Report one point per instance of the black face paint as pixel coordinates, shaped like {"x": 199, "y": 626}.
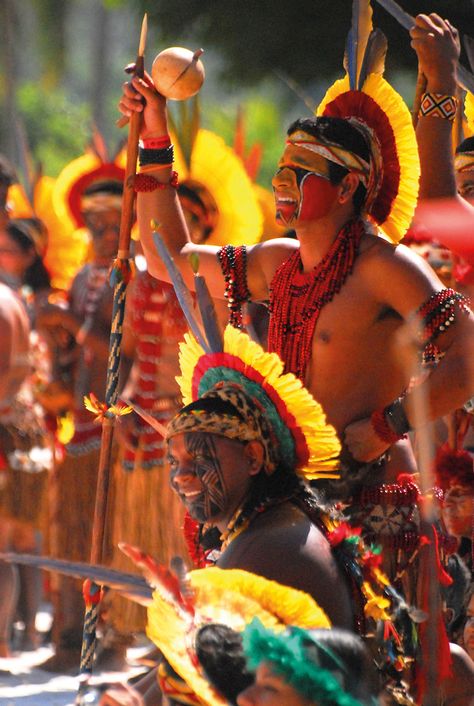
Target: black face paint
{"x": 299, "y": 172}
{"x": 213, "y": 499}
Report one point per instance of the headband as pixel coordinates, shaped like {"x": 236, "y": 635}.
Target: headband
{"x": 464, "y": 161}
{"x": 227, "y": 410}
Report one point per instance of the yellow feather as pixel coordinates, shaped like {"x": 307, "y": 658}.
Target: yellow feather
{"x": 321, "y": 438}
{"x": 232, "y": 597}
{"x": 399, "y": 117}
{"x": 469, "y": 112}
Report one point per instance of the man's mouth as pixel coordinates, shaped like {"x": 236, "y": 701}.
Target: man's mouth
{"x": 190, "y": 495}
{"x": 285, "y": 207}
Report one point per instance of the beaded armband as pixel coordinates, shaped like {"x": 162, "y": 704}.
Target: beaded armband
{"x": 438, "y": 105}
{"x": 391, "y": 423}
{"x": 439, "y": 313}
{"x": 146, "y": 182}
{"x": 233, "y": 262}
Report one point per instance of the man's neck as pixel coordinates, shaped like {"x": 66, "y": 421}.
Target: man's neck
{"x": 317, "y": 237}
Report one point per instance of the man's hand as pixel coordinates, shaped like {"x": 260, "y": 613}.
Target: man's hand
{"x": 52, "y": 315}
{"x": 437, "y": 45}
{"x": 362, "y": 441}
{"x": 140, "y": 96}
{"x": 121, "y": 695}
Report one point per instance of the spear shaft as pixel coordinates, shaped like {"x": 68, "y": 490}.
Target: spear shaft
{"x": 464, "y": 77}
{"x": 120, "y": 276}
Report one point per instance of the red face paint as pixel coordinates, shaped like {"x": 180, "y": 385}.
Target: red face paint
{"x": 317, "y": 195}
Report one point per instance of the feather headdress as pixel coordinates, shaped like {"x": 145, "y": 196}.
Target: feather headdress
{"x": 370, "y": 103}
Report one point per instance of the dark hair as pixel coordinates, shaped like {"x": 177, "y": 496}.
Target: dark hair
{"x": 220, "y": 653}
{"x": 344, "y": 652}
{"x": 213, "y": 404}
{"x": 342, "y": 133}
{"x": 21, "y": 231}
{"x": 466, "y": 145}
{"x": 109, "y": 186}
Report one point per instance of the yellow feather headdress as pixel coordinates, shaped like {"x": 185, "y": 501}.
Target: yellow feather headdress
{"x": 365, "y": 98}
{"x": 304, "y": 439}
{"x": 231, "y": 597}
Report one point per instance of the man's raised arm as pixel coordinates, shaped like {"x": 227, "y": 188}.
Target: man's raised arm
{"x": 158, "y": 200}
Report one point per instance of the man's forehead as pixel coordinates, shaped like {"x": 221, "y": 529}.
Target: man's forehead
{"x": 457, "y": 491}
{"x": 300, "y": 156}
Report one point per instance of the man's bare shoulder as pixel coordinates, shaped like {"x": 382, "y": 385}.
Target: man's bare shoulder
{"x": 395, "y": 275}
{"x": 271, "y": 253}
{"x": 281, "y": 531}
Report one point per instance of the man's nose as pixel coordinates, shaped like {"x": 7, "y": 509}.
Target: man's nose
{"x": 281, "y": 178}
{"x": 182, "y": 474}
{"x": 246, "y": 697}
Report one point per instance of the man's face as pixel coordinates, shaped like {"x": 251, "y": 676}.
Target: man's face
{"x": 301, "y": 187}
{"x": 465, "y": 184}
{"x": 207, "y": 472}
{"x": 457, "y": 510}
{"x": 104, "y": 227}
{"x": 270, "y": 689}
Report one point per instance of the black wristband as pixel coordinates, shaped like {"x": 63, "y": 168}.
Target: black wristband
{"x": 396, "y": 417}
{"x": 162, "y": 156}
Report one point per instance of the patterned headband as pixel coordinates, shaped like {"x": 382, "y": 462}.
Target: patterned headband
{"x": 464, "y": 162}
{"x": 369, "y": 173}
{"x": 244, "y": 419}
{"x": 100, "y": 202}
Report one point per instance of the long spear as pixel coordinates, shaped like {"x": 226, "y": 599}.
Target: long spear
{"x": 120, "y": 276}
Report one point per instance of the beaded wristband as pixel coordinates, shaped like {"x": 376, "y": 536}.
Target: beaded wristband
{"x": 159, "y": 156}
{"x": 144, "y": 183}
{"x": 396, "y": 418}
{"x": 382, "y": 428}
{"x": 155, "y": 143}
{"x": 438, "y": 105}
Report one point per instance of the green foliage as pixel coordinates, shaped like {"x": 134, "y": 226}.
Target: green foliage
{"x": 57, "y": 129}
{"x": 262, "y": 124}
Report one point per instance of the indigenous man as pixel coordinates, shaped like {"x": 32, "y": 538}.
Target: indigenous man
{"x": 87, "y": 321}
{"x": 233, "y": 451}
{"x": 339, "y": 294}
{"x": 15, "y": 365}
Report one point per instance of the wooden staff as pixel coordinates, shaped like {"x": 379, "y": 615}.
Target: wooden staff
{"x": 120, "y": 276}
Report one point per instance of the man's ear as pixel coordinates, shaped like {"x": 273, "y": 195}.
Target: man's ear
{"x": 348, "y": 187}
{"x": 253, "y": 452}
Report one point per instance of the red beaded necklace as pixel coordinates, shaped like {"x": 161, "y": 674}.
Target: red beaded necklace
{"x": 297, "y": 297}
